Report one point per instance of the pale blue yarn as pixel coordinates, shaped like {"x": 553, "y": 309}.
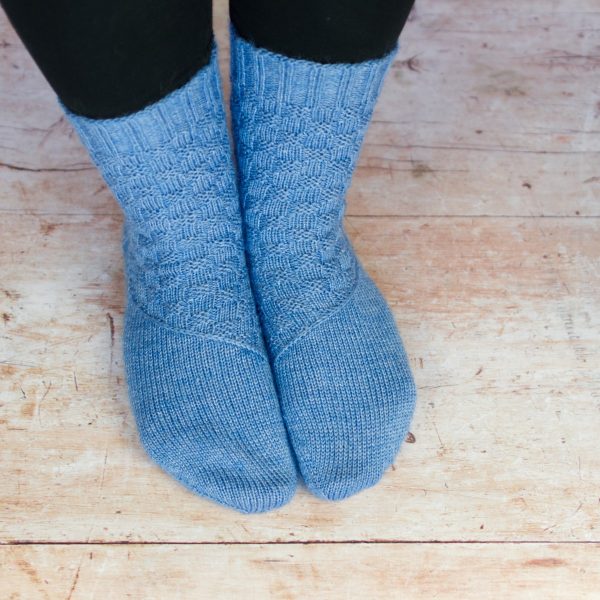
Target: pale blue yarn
{"x": 199, "y": 379}
{"x": 343, "y": 378}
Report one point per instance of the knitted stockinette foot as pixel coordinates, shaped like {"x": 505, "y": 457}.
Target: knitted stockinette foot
{"x": 343, "y": 378}
{"x": 199, "y": 379}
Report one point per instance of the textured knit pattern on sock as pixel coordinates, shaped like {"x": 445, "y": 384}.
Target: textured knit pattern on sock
{"x": 343, "y": 378}
{"x": 198, "y": 375}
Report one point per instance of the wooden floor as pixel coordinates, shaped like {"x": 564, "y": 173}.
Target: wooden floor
{"x": 476, "y": 208}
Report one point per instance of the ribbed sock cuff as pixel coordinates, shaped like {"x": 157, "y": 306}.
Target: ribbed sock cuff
{"x": 282, "y": 81}
{"x": 157, "y": 123}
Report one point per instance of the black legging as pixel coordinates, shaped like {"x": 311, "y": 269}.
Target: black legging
{"x": 106, "y": 58}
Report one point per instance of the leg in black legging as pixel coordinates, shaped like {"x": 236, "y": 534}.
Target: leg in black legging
{"x": 327, "y": 31}
{"x": 106, "y": 58}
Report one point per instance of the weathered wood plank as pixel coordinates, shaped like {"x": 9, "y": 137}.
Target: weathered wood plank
{"x": 489, "y": 110}
{"x": 501, "y": 318}
{"x": 467, "y": 571}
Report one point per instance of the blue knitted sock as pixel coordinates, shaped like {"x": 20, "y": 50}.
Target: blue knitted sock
{"x": 199, "y": 379}
{"x": 343, "y": 379}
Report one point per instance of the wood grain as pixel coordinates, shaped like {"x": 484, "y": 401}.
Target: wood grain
{"x": 488, "y": 110}
{"x": 501, "y": 319}
{"x": 408, "y": 571}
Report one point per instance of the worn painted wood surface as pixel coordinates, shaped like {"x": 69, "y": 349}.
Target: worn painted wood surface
{"x": 501, "y": 319}
{"x": 476, "y": 207}
{"x": 407, "y": 571}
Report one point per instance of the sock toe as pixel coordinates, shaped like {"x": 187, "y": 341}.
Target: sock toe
{"x": 208, "y": 414}
{"x": 347, "y": 395}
